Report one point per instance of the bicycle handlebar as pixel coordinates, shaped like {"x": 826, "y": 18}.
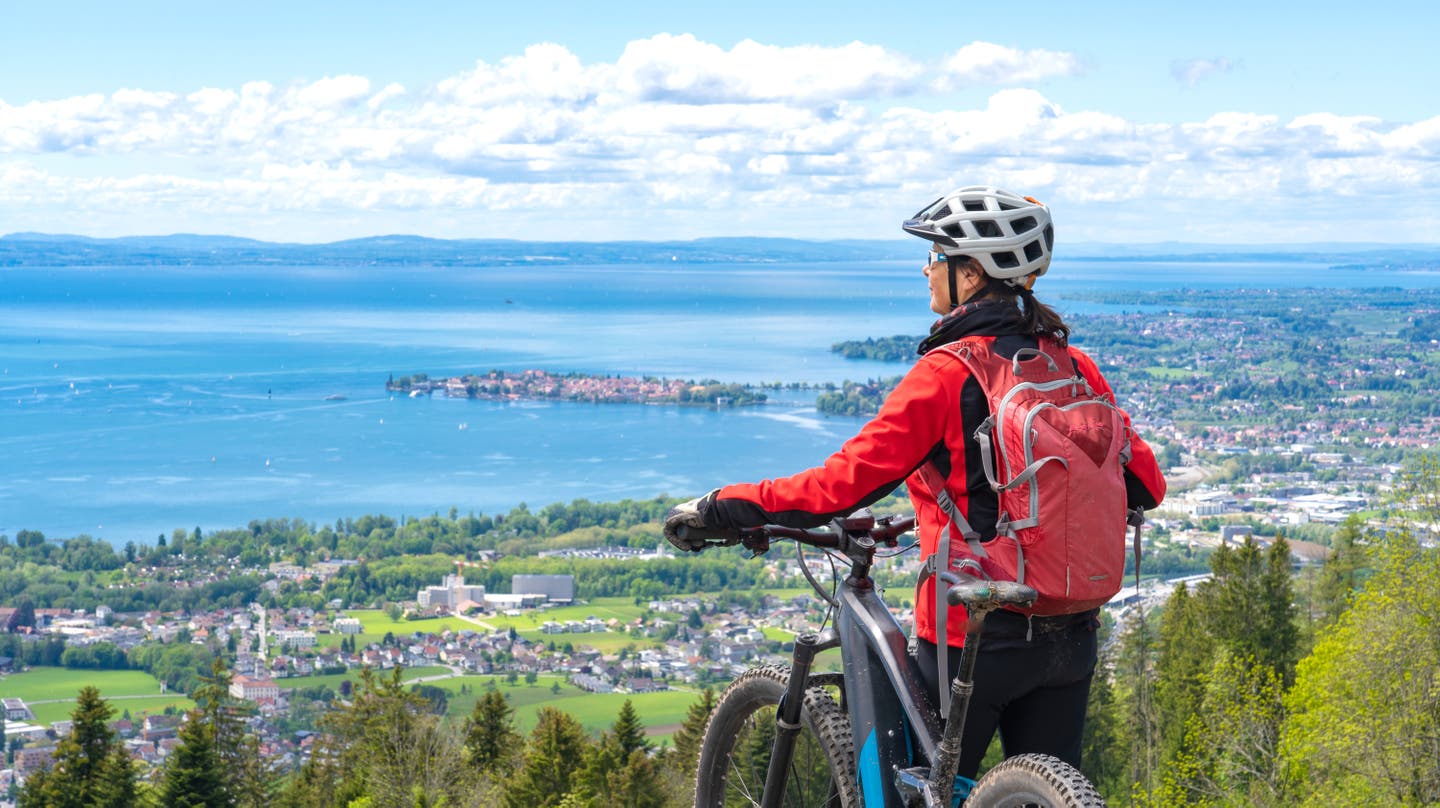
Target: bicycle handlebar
{"x": 884, "y": 530}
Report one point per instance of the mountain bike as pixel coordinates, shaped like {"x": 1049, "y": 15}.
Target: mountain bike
{"x": 869, "y": 736}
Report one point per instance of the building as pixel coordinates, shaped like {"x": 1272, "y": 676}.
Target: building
{"x": 557, "y": 588}
{"x": 503, "y": 602}
{"x": 348, "y": 625}
{"x": 17, "y": 710}
{"x": 32, "y": 759}
{"x": 257, "y": 689}
{"x": 450, "y": 594}
{"x": 295, "y": 639}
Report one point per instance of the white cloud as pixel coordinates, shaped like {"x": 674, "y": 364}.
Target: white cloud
{"x": 1192, "y": 71}
{"x": 985, "y": 63}
{"x": 672, "y": 123}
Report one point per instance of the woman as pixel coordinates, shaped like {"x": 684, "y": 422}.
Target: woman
{"x": 1033, "y": 678}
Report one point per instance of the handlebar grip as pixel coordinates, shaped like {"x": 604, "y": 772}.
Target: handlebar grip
{"x": 978, "y": 594}
{"x": 708, "y": 536}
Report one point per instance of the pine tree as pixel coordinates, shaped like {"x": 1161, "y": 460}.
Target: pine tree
{"x": 1249, "y": 605}
{"x": 1341, "y": 575}
{"x": 692, "y": 732}
{"x": 547, "y": 770}
{"x": 1135, "y": 689}
{"x": 629, "y": 732}
{"x": 618, "y": 771}
{"x": 247, "y": 778}
{"x": 1102, "y": 754}
{"x": 91, "y": 767}
{"x": 193, "y": 777}
{"x": 1184, "y": 658}
{"x": 490, "y": 735}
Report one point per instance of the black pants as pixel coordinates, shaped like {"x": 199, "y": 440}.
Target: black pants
{"x": 1034, "y": 692}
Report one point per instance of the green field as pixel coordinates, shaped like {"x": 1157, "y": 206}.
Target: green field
{"x": 51, "y": 692}
{"x": 39, "y": 684}
{"x": 333, "y": 680}
{"x": 659, "y": 712}
{"x": 377, "y": 624}
{"x": 137, "y": 706}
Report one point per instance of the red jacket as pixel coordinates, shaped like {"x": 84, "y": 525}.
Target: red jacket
{"x": 919, "y": 421}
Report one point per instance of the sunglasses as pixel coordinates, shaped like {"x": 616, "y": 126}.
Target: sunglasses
{"x": 932, "y": 257}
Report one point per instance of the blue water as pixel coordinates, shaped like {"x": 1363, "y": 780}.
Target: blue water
{"x": 137, "y": 400}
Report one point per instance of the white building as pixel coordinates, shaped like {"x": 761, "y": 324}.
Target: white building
{"x": 348, "y": 625}
{"x": 295, "y": 639}
{"x": 254, "y": 689}
{"x": 450, "y": 594}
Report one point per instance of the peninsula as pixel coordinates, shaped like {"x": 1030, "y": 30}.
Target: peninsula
{"x": 500, "y": 385}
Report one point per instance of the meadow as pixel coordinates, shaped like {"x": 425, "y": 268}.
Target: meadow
{"x": 51, "y": 692}
{"x": 661, "y": 713}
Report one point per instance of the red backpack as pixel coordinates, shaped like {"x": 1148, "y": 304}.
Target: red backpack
{"x": 1054, "y": 452}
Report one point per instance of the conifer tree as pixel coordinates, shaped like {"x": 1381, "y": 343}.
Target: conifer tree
{"x": 490, "y": 736}
{"x": 1135, "y": 688}
{"x": 618, "y": 771}
{"x": 679, "y": 762}
{"x": 1249, "y": 605}
{"x": 193, "y": 775}
{"x": 1184, "y": 657}
{"x": 692, "y": 732}
{"x": 90, "y": 768}
{"x": 628, "y": 731}
{"x": 1102, "y": 754}
{"x": 1341, "y": 575}
{"x": 547, "y": 769}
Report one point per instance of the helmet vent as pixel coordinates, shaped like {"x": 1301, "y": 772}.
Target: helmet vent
{"x": 1006, "y": 260}
{"x": 953, "y": 230}
{"x": 1050, "y": 238}
{"x": 1033, "y": 251}
{"x": 1024, "y": 224}
{"x": 974, "y": 204}
{"x": 987, "y": 229}
{"x": 1008, "y": 206}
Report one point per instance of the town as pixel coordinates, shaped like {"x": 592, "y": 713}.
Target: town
{"x": 498, "y": 385}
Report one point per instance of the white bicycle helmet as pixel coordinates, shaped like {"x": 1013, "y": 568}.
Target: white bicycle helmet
{"x": 1010, "y": 236}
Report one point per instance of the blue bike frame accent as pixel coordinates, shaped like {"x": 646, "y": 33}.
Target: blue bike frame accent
{"x": 882, "y": 690}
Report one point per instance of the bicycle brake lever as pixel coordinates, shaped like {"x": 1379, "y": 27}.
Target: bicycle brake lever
{"x": 756, "y": 541}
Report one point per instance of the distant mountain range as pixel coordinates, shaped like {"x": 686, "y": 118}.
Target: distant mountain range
{"x": 41, "y": 249}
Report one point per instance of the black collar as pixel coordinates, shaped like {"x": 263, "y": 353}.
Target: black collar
{"x": 984, "y": 316}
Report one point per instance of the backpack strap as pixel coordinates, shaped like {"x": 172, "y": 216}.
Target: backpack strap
{"x": 932, "y": 569}
{"x": 933, "y": 566}
{"x": 936, "y": 484}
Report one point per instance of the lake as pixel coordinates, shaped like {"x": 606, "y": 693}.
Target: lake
{"x": 138, "y": 400}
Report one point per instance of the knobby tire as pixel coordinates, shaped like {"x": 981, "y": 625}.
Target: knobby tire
{"x": 735, "y": 750}
{"x": 1034, "y": 781}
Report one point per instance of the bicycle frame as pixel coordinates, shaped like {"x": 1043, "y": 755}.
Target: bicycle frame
{"x": 890, "y": 713}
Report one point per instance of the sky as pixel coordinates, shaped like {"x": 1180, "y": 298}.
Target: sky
{"x": 1223, "y": 122}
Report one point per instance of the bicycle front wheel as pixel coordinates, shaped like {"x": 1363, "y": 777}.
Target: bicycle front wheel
{"x": 735, "y": 752}
{"x": 1034, "y": 781}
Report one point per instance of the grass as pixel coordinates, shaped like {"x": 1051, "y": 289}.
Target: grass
{"x": 659, "y": 712}
{"x": 136, "y": 691}
{"x": 39, "y": 684}
{"x": 377, "y": 624}
{"x": 333, "y": 680}
{"x": 138, "y": 707}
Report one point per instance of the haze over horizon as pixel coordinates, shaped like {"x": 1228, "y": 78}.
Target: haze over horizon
{"x": 658, "y": 123}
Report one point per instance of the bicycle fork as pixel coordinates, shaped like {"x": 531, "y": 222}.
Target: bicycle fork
{"x": 787, "y": 720}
